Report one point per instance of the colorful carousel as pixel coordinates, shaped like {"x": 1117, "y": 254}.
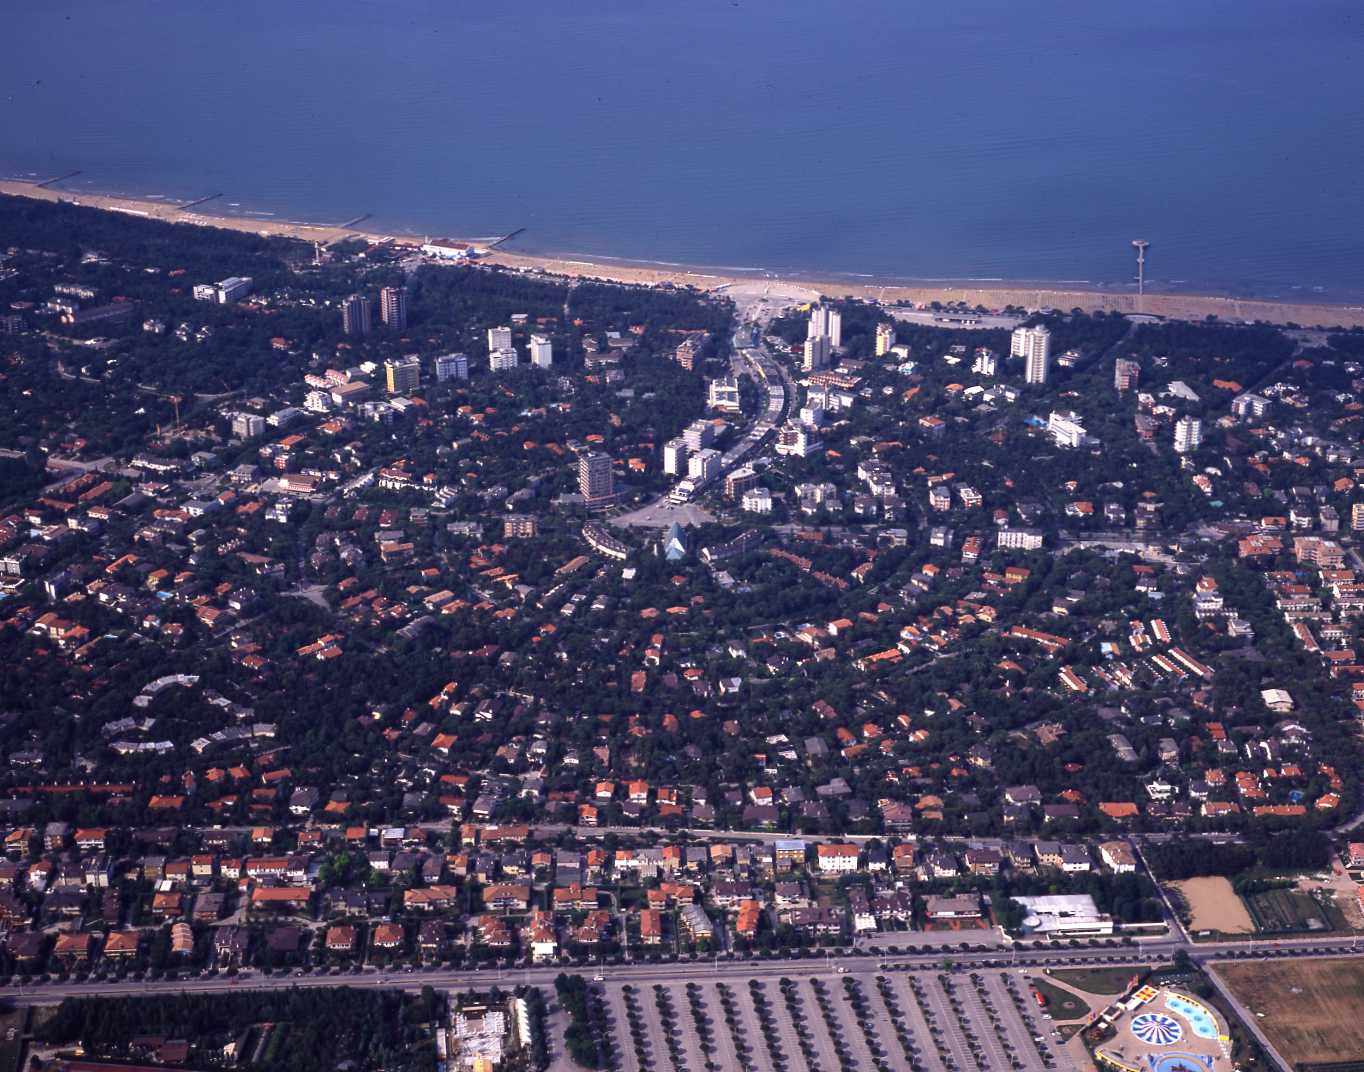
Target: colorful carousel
{"x": 1162, "y": 1030}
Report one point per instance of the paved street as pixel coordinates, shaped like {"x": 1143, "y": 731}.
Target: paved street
{"x": 647, "y": 973}
{"x": 970, "y": 1016}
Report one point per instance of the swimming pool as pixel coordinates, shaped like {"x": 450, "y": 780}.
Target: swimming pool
{"x": 1199, "y": 1018}
{"x": 1181, "y": 1062}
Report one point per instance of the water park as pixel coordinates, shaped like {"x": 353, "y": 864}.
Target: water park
{"x": 1158, "y": 1029}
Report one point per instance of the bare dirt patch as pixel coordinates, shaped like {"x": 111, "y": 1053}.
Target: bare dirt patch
{"x": 1214, "y": 906}
{"x": 1313, "y": 1009}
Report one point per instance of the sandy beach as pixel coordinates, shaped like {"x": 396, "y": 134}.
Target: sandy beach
{"x": 170, "y": 212}
{"x": 994, "y": 296}
{"x": 1172, "y": 306}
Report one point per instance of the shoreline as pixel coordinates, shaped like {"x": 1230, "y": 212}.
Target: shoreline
{"x": 992, "y": 294}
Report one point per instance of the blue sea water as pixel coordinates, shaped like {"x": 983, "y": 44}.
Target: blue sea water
{"x": 1017, "y": 139}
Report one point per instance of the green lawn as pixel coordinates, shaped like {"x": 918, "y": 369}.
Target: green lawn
{"x": 1103, "y": 981}
{"x": 1061, "y": 1004}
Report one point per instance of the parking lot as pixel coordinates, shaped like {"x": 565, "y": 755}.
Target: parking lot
{"x": 930, "y": 1020}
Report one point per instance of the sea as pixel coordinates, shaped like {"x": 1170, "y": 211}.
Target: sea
{"x": 888, "y": 140}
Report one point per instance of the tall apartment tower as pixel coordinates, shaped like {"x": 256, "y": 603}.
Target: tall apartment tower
{"x": 1126, "y": 374}
{"x": 704, "y": 464}
{"x": 885, "y": 339}
{"x": 499, "y": 338}
{"x": 393, "y": 307}
{"x": 1034, "y": 346}
{"x": 675, "y": 456}
{"x": 596, "y": 482}
{"x": 356, "y": 315}
{"x": 1188, "y": 435}
{"x": 688, "y": 352}
{"x": 698, "y": 434}
{"x": 249, "y": 425}
{"x": 504, "y": 360}
{"x": 403, "y": 374}
{"x": 452, "y": 367}
{"x": 541, "y": 352}
{"x": 828, "y": 322}
{"x": 816, "y": 356}
{"x": 1357, "y": 517}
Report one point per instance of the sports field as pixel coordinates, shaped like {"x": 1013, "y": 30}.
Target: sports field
{"x": 1214, "y": 906}
{"x": 1313, "y": 1009}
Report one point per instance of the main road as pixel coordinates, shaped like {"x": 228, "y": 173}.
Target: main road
{"x": 682, "y": 970}
{"x": 779, "y": 397}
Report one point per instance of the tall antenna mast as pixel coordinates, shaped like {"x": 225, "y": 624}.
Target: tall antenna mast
{"x": 1141, "y": 246}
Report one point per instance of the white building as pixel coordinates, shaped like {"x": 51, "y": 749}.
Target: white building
{"x": 1068, "y": 914}
{"x": 675, "y": 457}
{"x": 723, "y": 394}
{"x": 1188, "y": 435}
{"x": 1065, "y": 429}
{"x": 757, "y": 501}
{"x": 452, "y": 367}
{"x": 248, "y": 425}
{"x": 447, "y": 250}
{"x": 704, "y": 465}
{"x": 827, "y": 322}
{"x": 830, "y": 399}
{"x": 499, "y": 338}
{"x": 797, "y": 440}
{"x": 225, "y": 291}
{"x": 1019, "y": 539}
{"x": 1249, "y": 405}
{"x": 1034, "y": 346}
{"x": 985, "y": 363}
{"x": 234, "y": 288}
{"x": 502, "y": 359}
{"x": 541, "y": 352}
{"x": 837, "y": 859}
{"x": 699, "y": 434}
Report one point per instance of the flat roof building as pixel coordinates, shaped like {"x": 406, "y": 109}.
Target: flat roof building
{"x": 356, "y": 315}
{"x": 393, "y": 307}
{"x": 596, "y": 482}
{"x": 403, "y": 375}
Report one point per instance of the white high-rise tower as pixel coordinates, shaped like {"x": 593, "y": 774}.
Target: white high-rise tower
{"x": 826, "y": 321}
{"x": 1188, "y": 435}
{"x": 1034, "y": 346}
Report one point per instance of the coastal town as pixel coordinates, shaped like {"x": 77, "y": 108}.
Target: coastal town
{"x": 370, "y": 610}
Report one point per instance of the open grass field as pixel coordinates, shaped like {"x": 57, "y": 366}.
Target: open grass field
{"x": 1214, "y": 906}
{"x": 1313, "y": 1009}
{"x": 1102, "y": 981}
